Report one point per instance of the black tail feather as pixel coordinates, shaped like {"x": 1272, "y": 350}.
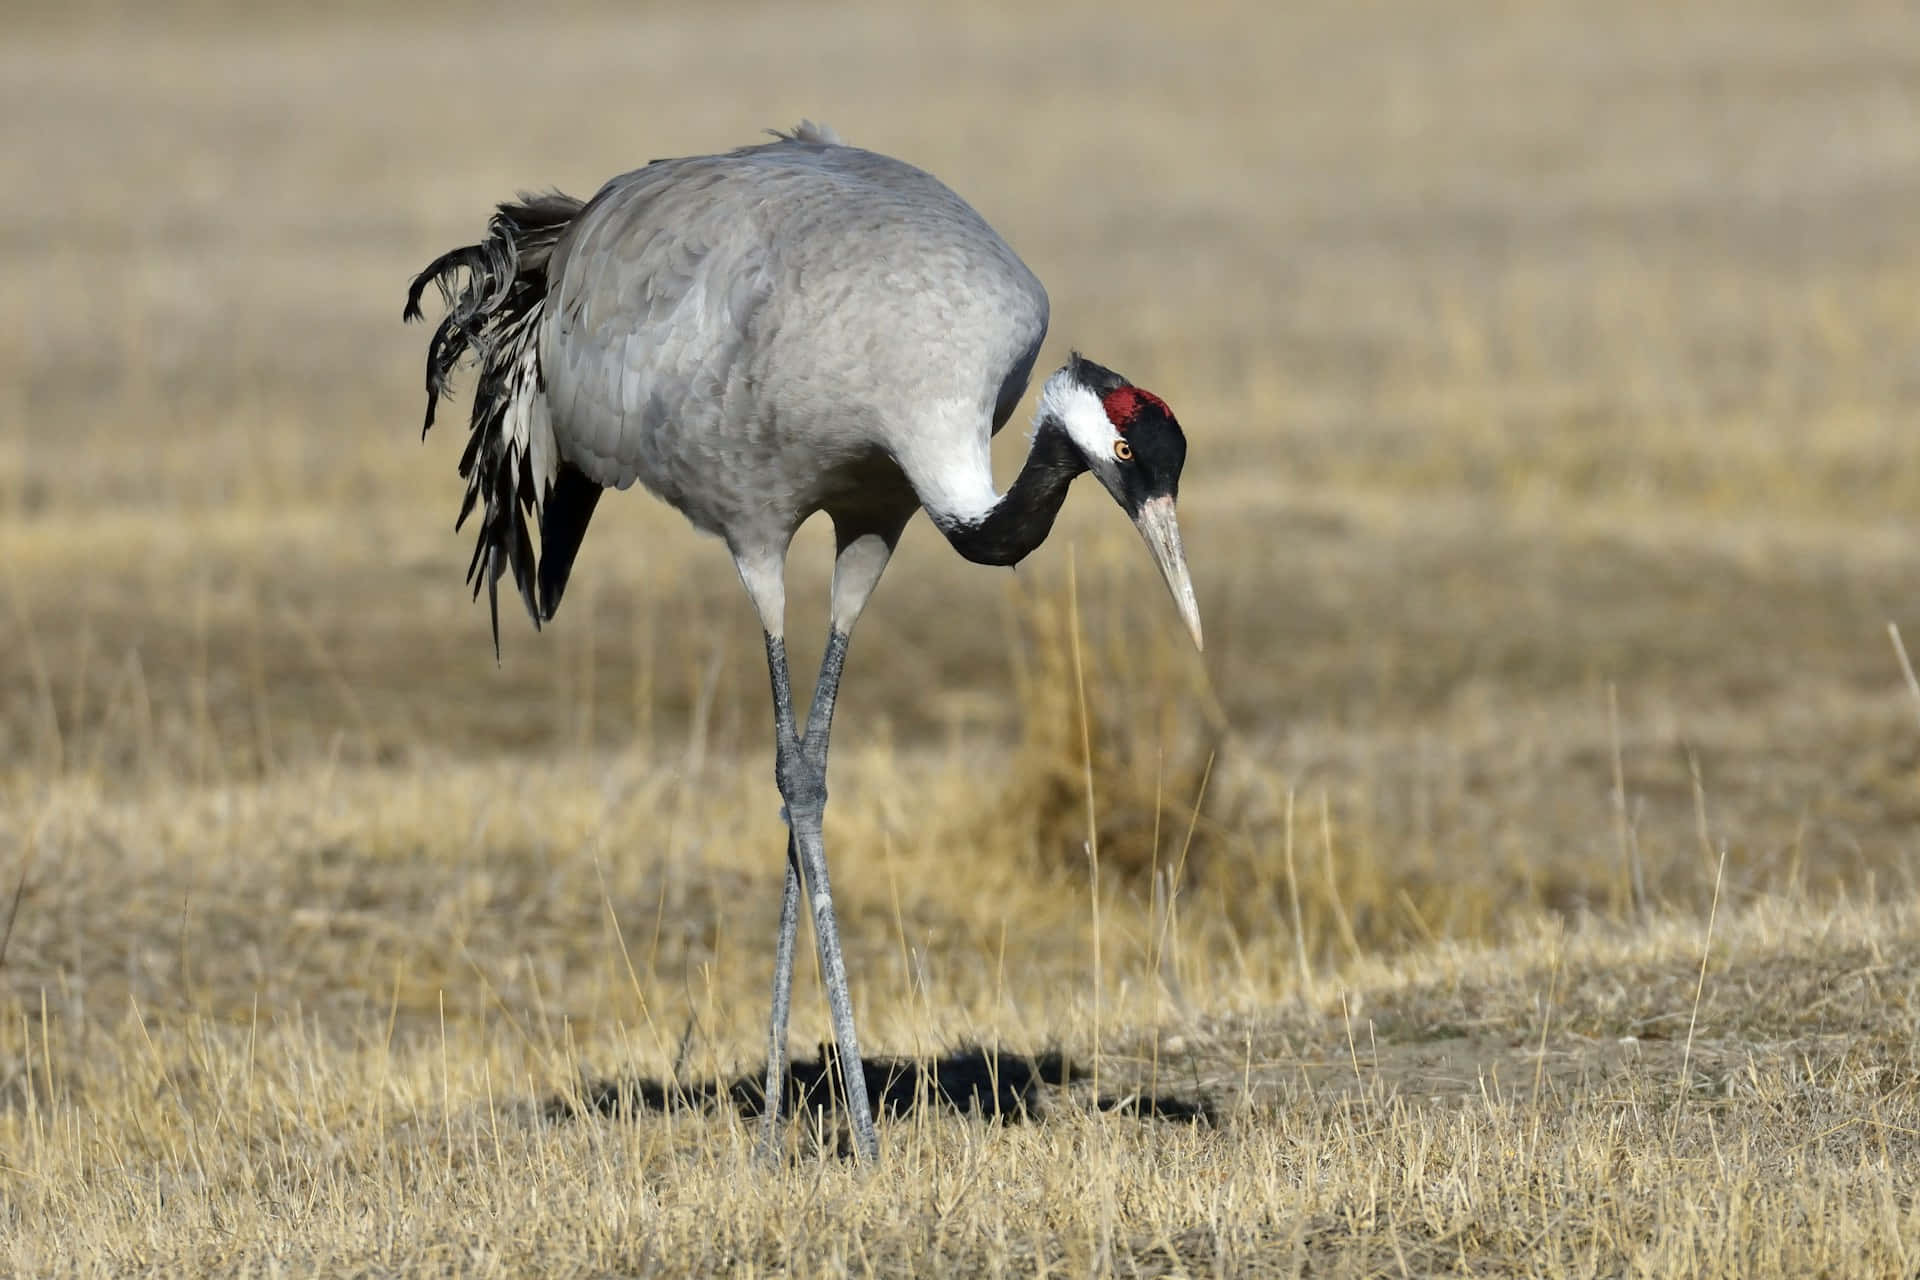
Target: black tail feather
{"x": 495, "y": 293}
{"x": 563, "y": 523}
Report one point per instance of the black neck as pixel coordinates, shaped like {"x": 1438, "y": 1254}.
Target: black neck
{"x": 1023, "y": 517}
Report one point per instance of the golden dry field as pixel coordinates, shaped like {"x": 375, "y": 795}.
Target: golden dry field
{"x": 1524, "y": 879}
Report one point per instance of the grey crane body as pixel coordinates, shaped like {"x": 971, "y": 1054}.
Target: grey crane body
{"x": 756, "y": 337}
{"x": 786, "y": 329}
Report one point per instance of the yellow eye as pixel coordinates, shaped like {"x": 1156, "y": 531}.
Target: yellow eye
{"x": 1123, "y": 451}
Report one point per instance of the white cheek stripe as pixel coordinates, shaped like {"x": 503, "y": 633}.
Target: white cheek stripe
{"x": 1081, "y": 413}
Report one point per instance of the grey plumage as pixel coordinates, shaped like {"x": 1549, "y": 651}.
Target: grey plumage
{"x": 694, "y": 332}
{"x": 774, "y": 316}
{"x": 757, "y": 336}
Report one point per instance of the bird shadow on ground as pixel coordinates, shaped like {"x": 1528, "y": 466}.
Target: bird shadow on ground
{"x": 1015, "y": 1088}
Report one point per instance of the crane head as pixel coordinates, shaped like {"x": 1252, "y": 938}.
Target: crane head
{"x": 1133, "y": 445}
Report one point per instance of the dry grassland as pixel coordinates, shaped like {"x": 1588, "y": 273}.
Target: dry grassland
{"x": 1525, "y": 877}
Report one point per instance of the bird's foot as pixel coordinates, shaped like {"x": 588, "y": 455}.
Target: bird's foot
{"x": 803, "y": 783}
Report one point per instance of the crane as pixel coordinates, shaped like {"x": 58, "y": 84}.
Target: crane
{"x": 756, "y": 336}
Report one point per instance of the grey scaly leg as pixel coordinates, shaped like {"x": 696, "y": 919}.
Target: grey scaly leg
{"x": 813, "y": 745}
{"x": 789, "y": 907}
{"x": 801, "y": 769}
{"x": 782, "y": 1006}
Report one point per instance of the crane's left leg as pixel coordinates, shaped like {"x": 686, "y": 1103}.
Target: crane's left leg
{"x": 802, "y": 776}
{"x": 861, "y": 558}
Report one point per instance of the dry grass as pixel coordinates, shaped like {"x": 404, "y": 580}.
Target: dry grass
{"x": 1549, "y": 375}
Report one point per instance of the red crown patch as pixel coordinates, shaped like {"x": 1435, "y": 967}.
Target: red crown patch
{"x": 1124, "y": 404}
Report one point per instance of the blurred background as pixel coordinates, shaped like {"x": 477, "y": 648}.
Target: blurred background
{"x": 1549, "y": 372}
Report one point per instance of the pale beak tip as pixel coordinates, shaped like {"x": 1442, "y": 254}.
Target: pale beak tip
{"x": 1190, "y": 614}
{"x": 1161, "y": 530}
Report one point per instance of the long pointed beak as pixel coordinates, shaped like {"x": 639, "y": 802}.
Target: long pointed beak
{"x": 1162, "y": 533}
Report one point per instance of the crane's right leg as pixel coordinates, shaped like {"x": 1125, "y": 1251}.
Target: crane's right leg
{"x": 774, "y": 1095}
{"x": 865, "y": 545}
{"x": 800, "y": 769}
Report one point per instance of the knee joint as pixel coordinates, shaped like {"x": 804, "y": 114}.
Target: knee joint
{"x": 803, "y": 783}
